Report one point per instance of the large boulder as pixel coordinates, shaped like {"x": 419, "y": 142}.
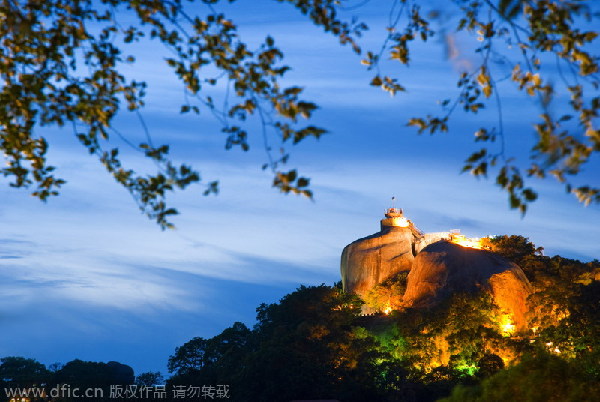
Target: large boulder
{"x": 371, "y": 260}
{"x": 443, "y": 268}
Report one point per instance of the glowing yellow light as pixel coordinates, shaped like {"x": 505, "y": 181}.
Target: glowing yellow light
{"x": 463, "y": 241}
{"x": 507, "y": 327}
{"x": 552, "y": 348}
{"x": 387, "y": 310}
{"x": 399, "y": 221}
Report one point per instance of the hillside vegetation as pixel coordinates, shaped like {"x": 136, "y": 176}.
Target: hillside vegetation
{"x": 315, "y": 344}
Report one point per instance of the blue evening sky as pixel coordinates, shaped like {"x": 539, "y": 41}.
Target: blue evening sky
{"x": 86, "y": 276}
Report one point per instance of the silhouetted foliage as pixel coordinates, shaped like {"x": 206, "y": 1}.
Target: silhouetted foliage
{"x": 489, "y": 364}
{"x": 67, "y": 382}
{"x": 94, "y": 374}
{"x": 540, "y": 378}
{"x": 22, "y": 372}
{"x": 149, "y": 379}
{"x": 515, "y": 248}
{"x": 314, "y": 344}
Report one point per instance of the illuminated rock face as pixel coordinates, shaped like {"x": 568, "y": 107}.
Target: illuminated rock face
{"x": 371, "y": 260}
{"x": 443, "y": 268}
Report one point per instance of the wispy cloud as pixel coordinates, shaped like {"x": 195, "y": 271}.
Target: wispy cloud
{"x": 90, "y": 277}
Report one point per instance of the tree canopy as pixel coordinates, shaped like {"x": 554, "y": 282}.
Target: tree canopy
{"x": 61, "y": 64}
{"x": 315, "y": 344}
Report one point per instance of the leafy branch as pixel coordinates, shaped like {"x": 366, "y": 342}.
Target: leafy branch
{"x": 531, "y": 30}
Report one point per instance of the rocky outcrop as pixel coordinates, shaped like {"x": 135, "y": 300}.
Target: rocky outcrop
{"x": 371, "y": 260}
{"x": 443, "y": 268}
{"x": 510, "y": 290}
